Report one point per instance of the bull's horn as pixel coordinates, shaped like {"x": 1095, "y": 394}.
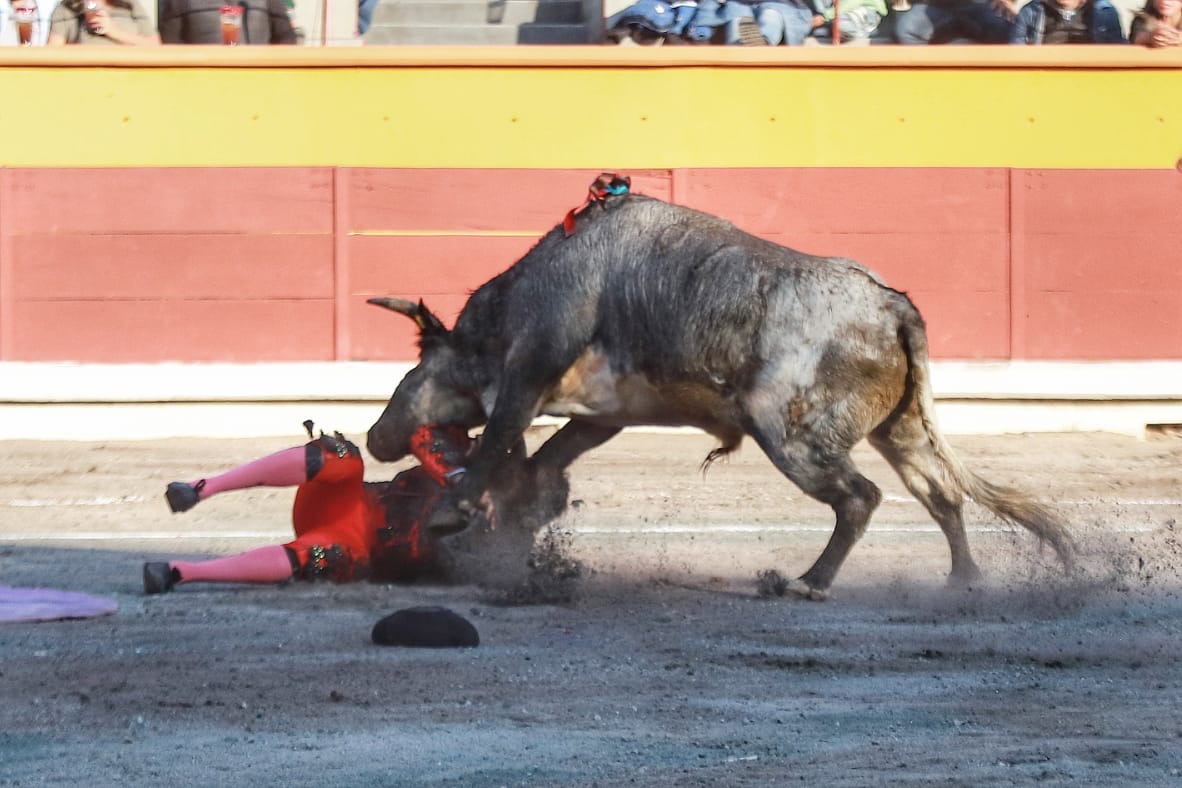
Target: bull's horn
{"x": 423, "y": 317}
{"x": 396, "y": 304}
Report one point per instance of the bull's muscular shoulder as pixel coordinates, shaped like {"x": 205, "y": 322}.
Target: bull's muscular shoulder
{"x": 854, "y": 265}
{"x": 678, "y": 229}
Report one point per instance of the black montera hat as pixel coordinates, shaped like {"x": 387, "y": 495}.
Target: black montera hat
{"x": 425, "y": 627}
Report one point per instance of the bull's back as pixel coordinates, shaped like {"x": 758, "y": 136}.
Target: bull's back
{"x": 693, "y": 315}
{"x": 649, "y": 296}
{"x": 697, "y": 295}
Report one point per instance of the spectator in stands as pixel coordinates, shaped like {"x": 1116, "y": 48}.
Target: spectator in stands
{"x": 1068, "y": 22}
{"x": 718, "y": 20}
{"x": 101, "y": 22}
{"x": 365, "y": 9}
{"x": 775, "y": 22}
{"x": 945, "y": 21}
{"x": 650, "y": 22}
{"x": 25, "y": 22}
{"x": 754, "y": 23}
{"x": 858, "y": 21}
{"x": 200, "y": 22}
{"x": 1158, "y": 24}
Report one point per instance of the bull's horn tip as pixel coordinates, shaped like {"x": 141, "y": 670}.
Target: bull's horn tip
{"x": 388, "y": 302}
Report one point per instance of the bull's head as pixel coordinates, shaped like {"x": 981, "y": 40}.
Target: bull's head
{"x": 431, "y": 393}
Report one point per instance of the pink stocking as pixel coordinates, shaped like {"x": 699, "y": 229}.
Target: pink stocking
{"x": 281, "y": 469}
{"x": 268, "y": 564}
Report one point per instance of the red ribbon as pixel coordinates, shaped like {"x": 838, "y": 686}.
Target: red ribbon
{"x": 607, "y": 184}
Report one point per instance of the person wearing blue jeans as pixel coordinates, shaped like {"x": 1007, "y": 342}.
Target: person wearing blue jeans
{"x": 712, "y": 15}
{"x": 943, "y": 21}
{"x": 779, "y": 22}
{"x": 787, "y": 23}
{"x": 1068, "y": 22}
{"x": 858, "y": 20}
{"x": 365, "y": 9}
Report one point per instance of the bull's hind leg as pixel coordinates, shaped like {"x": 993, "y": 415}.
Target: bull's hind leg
{"x": 904, "y": 442}
{"x": 829, "y": 475}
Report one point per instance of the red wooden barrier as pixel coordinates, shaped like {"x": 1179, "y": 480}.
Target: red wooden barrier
{"x": 269, "y": 264}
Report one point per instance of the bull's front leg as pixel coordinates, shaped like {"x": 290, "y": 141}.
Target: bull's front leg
{"x": 537, "y": 485}
{"x": 500, "y": 445}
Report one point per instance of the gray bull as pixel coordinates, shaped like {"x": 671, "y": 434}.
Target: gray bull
{"x": 655, "y": 314}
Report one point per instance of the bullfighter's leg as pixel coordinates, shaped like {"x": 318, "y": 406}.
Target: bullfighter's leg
{"x": 270, "y": 564}
{"x": 827, "y": 474}
{"x": 904, "y": 443}
{"x": 282, "y": 469}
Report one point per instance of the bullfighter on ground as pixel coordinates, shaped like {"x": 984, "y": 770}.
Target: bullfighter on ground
{"x": 346, "y": 529}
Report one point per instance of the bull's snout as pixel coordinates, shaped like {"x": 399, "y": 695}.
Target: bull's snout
{"x": 382, "y": 448}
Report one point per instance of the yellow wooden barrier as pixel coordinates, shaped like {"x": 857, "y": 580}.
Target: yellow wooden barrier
{"x": 593, "y": 107}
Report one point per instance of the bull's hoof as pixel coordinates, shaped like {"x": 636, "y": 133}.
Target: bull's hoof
{"x": 966, "y": 579}
{"x": 771, "y": 583}
{"x": 446, "y": 521}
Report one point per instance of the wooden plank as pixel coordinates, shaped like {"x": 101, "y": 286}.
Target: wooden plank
{"x": 1019, "y": 268}
{"x": 795, "y": 201}
{"x": 1098, "y": 267}
{"x": 970, "y": 326}
{"x": 1089, "y": 325}
{"x": 342, "y": 320}
{"x": 172, "y": 200}
{"x": 1138, "y": 259}
{"x": 172, "y": 266}
{"x": 569, "y": 58}
{"x": 952, "y": 262}
{"x": 415, "y": 266}
{"x": 1099, "y": 202}
{"x": 7, "y": 314}
{"x": 475, "y": 200}
{"x": 115, "y": 331}
{"x": 380, "y": 335}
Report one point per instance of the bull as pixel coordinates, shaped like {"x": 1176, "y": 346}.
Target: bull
{"x": 641, "y": 312}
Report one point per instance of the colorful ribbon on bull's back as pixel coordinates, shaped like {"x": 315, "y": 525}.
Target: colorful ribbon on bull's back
{"x": 609, "y": 184}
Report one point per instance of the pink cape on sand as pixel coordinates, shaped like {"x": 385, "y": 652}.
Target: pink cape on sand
{"x": 50, "y": 604}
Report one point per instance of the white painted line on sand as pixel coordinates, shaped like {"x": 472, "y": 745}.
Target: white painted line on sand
{"x": 889, "y": 498}
{"x": 136, "y": 536}
{"x": 35, "y": 503}
{"x": 42, "y": 503}
{"x": 905, "y": 528}
{"x": 282, "y": 535}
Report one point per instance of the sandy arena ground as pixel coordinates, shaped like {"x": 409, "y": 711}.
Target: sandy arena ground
{"x": 664, "y": 669}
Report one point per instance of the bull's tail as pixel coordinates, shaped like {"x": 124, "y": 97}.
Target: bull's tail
{"x": 1011, "y": 505}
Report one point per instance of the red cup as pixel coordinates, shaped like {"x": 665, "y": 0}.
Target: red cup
{"x": 91, "y": 10}
{"x": 231, "y": 24}
{"x": 25, "y": 16}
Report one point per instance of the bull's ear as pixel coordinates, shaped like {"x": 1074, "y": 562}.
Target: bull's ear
{"x": 428, "y": 324}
